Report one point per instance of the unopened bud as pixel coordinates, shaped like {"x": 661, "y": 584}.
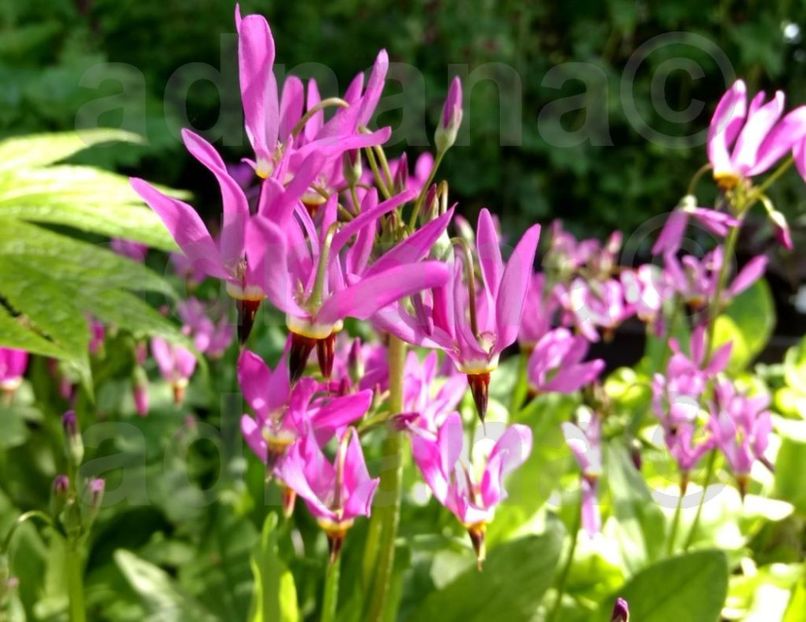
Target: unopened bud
{"x": 355, "y": 362}
{"x": 60, "y": 490}
{"x": 95, "y": 488}
{"x": 451, "y": 118}
{"x": 401, "y": 181}
{"x": 140, "y": 392}
{"x": 351, "y": 167}
{"x": 72, "y": 436}
{"x": 621, "y": 611}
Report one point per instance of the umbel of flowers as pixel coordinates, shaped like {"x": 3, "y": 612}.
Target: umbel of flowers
{"x": 325, "y": 228}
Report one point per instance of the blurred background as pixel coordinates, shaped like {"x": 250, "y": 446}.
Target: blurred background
{"x": 592, "y": 111}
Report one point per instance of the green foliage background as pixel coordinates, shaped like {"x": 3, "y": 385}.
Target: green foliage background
{"x": 51, "y": 51}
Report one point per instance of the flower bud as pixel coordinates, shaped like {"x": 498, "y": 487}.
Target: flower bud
{"x": 451, "y": 118}
{"x": 355, "y": 362}
{"x": 95, "y": 488}
{"x": 401, "y": 180}
{"x": 782, "y": 233}
{"x": 351, "y": 167}
{"x": 72, "y": 436}
{"x": 621, "y": 611}
{"x": 140, "y": 392}
{"x": 60, "y": 490}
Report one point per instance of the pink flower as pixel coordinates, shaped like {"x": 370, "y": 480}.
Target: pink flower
{"x": 538, "y": 313}
{"x": 285, "y": 413}
{"x": 471, "y": 498}
{"x": 335, "y": 493}
{"x": 472, "y": 321}
{"x": 176, "y": 364}
{"x": 677, "y": 395}
{"x": 208, "y": 337}
{"x": 318, "y": 282}
{"x": 741, "y": 427}
{"x": 590, "y": 305}
{"x": 697, "y": 280}
{"x": 671, "y": 236}
{"x": 747, "y": 141}
{"x": 270, "y": 119}
{"x": 422, "y": 401}
{"x": 13, "y": 364}
{"x": 585, "y": 442}
{"x": 556, "y": 363}
{"x": 646, "y": 289}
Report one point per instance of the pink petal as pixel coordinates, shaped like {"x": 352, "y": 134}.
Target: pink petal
{"x": 233, "y": 200}
{"x": 755, "y": 130}
{"x": 489, "y": 252}
{"x": 254, "y": 377}
{"x": 186, "y": 227}
{"x": 375, "y": 292}
{"x": 291, "y": 103}
{"x": 268, "y": 264}
{"x": 672, "y": 233}
{"x": 752, "y": 272}
{"x": 514, "y": 285}
{"x": 725, "y": 125}
{"x": 258, "y": 85}
{"x": 253, "y": 435}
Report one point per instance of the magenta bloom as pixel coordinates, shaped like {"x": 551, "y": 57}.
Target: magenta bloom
{"x": 451, "y": 117}
{"x": 538, "y": 313}
{"x": 747, "y": 141}
{"x": 676, "y": 398}
{"x": 585, "y": 442}
{"x": 591, "y": 305}
{"x": 270, "y": 119}
{"x": 472, "y": 321}
{"x": 336, "y": 493}
{"x": 13, "y": 364}
{"x": 696, "y": 280}
{"x": 176, "y": 365}
{"x": 423, "y": 402}
{"x": 741, "y": 427}
{"x": 646, "y": 289}
{"x": 621, "y": 611}
{"x": 97, "y": 336}
{"x": 208, "y": 337}
{"x": 471, "y": 498}
{"x": 671, "y": 236}
{"x": 556, "y": 363}
{"x": 305, "y": 274}
{"x": 283, "y": 413}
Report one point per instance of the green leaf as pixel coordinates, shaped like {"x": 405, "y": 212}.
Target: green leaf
{"x": 640, "y": 521}
{"x": 43, "y": 149}
{"x": 76, "y": 260}
{"x": 13, "y": 334}
{"x": 160, "y": 595}
{"x": 275, "y": 597}
{"x": 790, "y": 465}
{"x": 85, "y": 198}
{"x": 747, "y": 323}
{"x": 796, "y": 611}
{"x": 510, "y": 587}
{"x": 795, "y": 365}
{"x": 690, "y": 587}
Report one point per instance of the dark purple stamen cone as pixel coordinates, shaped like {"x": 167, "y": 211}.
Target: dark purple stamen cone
{"x": 325, "y": 352}
{"x": 247, "y": 310}
{"x": 621, "y": 611}
{"x": 741, "y": 482}
{"x": 301, "y": 348}
{"x": 476, "y": 533}
{"x": 480, "y": 387}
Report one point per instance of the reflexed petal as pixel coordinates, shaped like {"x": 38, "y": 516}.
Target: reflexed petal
{"x": 291, "y": 103}
{"x": 186, "y": 227}
{"x": 514, "y": 285}
{"x": 752, "y": 272}
{"x": 489, "y": 252}
{"x": 268, "y": 264}
{"x": 254, "y": 377}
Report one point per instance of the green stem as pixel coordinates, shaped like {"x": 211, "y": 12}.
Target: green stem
{"x": 709, "y": 473}
{"x": 390, "y": 182}
{"x": 424, "y": 191}
{"x": 695, "y": 179}
{"x": 555, "y": 610}
{"x": 74, "y": 571}
{"x": 675, "y": 524}
{"x": 521, "y": 388}
{"x": 373, "y": 164}
{"x": 783, "y": 168}
{"x": 386, "y": 516}
{"x": 716, "y": 305}
{"x": 330, "y": 600}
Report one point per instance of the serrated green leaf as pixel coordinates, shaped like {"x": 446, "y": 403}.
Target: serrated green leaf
{"x": 510, "y": 587}
{"x": 690, "y": 587}
{"x": 159, "y": 593}
{"x": 43, "y": 149}
{"x": 76, "y": 260}
{"x": 13, "y": 334}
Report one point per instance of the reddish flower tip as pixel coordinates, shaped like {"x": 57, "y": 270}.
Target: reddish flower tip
{"x": 301, "y": 348}
{"x": 480, "y": 388}
{"x": 289, "y": 501}
{"x": 247, "y": 310}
